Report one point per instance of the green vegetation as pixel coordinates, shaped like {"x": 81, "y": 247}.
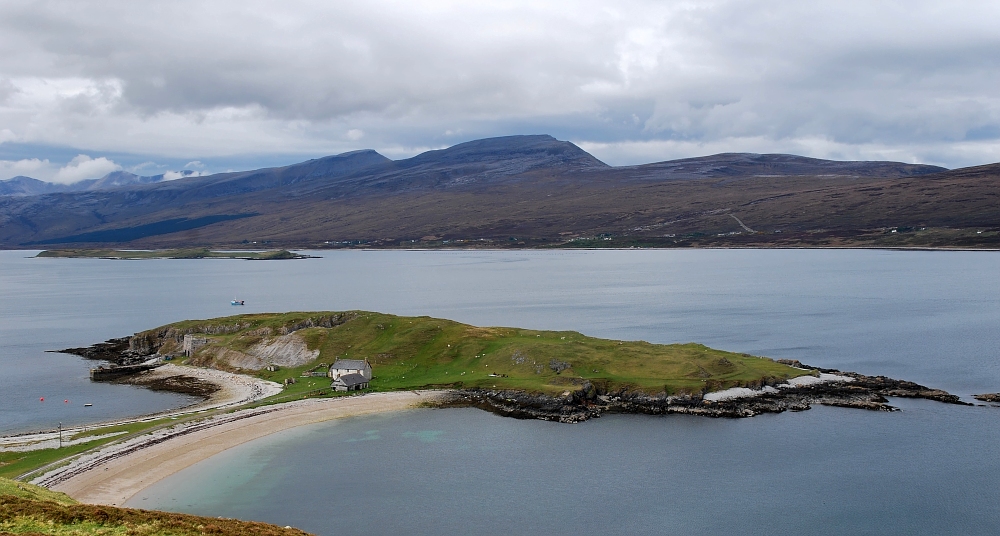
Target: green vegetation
{"x": 129, "y": 428}
{"x": 191, "y": 253}
{"x": 28, "y": 491}
{"x": 14, "y": 464}
{"x": 421, "y": 352}
{"x": 27, "y": 509}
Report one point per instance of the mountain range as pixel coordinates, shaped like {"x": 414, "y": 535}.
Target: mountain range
{"x": 521, "y": 191}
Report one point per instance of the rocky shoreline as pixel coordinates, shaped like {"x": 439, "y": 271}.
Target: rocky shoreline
{"x": 117, "y": 351}
{"x": 588, "y": 402}
{"x": 125, "y": 352}
{"x": 185, "y": 385}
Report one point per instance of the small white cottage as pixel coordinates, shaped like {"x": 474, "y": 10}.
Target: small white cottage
{"x": 342, "y": 367}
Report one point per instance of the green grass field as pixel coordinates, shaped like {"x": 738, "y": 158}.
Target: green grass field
{"x": 425, "y": 353}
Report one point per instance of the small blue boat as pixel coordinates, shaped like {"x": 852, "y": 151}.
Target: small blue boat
{"x": 237, "y": 302}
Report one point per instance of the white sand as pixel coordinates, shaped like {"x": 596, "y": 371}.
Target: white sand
{"x": 117, "y": 472}
{"x": 235, "y": 389}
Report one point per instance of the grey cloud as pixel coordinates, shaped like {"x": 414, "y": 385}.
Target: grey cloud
{"x": 299, "y": 76}
{"x": 7, "y": 89}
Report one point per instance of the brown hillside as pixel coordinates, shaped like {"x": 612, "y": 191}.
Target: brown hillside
{"x": 526, "y": 191}
{"x": 27, "y": 516}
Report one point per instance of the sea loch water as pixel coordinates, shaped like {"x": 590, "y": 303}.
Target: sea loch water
{"x": 930, "y": 317}
{"x": 930, "y": 469}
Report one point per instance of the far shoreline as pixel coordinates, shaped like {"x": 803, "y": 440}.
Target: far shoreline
{"x": 172, "y": 254}
{"x": 234, "y": 253}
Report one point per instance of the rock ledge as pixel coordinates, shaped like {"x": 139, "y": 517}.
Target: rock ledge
{"x": 587, "y": 402}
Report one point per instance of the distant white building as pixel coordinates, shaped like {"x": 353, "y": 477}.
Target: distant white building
{"x": 343, "y": 367}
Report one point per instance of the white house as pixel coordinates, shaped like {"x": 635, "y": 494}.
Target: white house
{"x": 343, "y": 367}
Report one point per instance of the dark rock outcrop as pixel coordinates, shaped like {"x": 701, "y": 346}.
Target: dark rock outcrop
{"x": 113, "y": 350}
{"x": 187, "y": 385}
{"x": 863, "y": 392}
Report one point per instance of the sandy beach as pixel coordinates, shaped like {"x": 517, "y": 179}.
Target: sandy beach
{"x": 234, "y": 389}
{"x": 114, "y": 474}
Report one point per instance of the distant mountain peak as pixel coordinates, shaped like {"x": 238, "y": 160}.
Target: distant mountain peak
{"x": 507, "y": 146}
{"x": 492, "y": 158}
{"x": 357, "y": 152}
{"x": 361, "y": 157}
{"x": 22, "y": 186}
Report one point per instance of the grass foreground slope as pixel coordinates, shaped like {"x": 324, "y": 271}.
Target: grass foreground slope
{"x": 425, "y": 353}
{"x": 28, "y": 509}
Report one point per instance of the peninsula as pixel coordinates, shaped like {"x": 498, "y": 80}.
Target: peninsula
{"x": 554, "y": 375}
{"x": 273, "y": 372}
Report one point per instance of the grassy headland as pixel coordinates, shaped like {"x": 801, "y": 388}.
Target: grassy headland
{"x": 424, "y": 353}
{"x": 189, "y": 253}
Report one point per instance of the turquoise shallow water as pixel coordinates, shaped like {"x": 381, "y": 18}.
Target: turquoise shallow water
{"x": 930, "y": 317}
{"x": 463, "y": 471}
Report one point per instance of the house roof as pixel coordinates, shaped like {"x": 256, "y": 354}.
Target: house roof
{"x": 353, "y": 364}
{"x": 351, "y": 379}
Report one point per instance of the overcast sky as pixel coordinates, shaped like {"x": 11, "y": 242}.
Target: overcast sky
{"x": 89, "y": 87}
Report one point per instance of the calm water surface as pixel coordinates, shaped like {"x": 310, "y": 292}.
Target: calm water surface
{"x": 930, "y": 317}
{"x": 464, "y": 471}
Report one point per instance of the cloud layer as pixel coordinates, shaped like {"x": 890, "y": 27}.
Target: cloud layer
{"x": 632, "y": 81}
